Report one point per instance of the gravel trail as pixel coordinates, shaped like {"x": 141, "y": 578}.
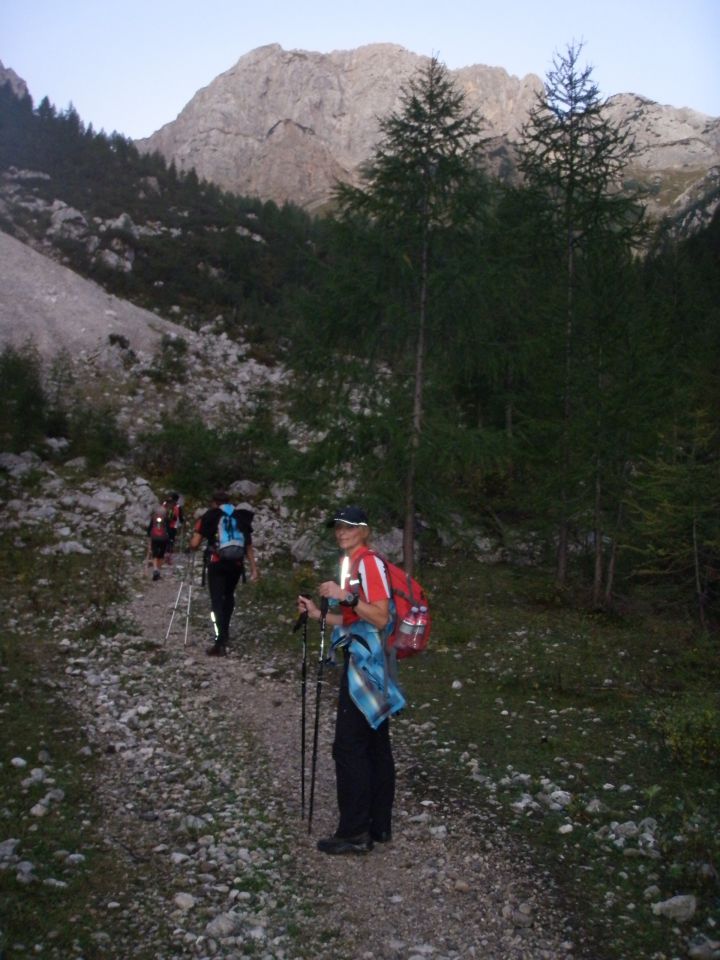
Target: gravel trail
{"x": 200, "y": 786}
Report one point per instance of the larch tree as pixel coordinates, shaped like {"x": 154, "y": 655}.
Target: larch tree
{"x": 573, "y": 157}
{"x": 421, "y": 183}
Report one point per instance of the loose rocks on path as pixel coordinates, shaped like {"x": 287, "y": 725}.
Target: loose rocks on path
{"x": 200, "y": 784}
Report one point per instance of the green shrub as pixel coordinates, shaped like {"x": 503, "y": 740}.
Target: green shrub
{"x": 169, "y": 362}
{"x": 191, "y": 456}
{"x": 691, "y": 729}
{"x": 94, "y": 433}
{"x": 23, "y": 403}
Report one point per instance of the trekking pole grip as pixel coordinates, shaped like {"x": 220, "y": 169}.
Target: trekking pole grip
{"x": 302, "y": 617}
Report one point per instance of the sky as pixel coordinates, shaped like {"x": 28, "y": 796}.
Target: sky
{"x": 131, "y": 66}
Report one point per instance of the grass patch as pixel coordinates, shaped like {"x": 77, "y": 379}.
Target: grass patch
{"x": 540, "y": 717}
{"x": 543, "y": 718}
{"x": 61, "y": 874}
{"x": 47, "y": 902}
{"x": 567, "y": 721}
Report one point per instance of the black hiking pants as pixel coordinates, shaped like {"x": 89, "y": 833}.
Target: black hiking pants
{"x": 364, "y": 769}
{"x": 222, "y": 578}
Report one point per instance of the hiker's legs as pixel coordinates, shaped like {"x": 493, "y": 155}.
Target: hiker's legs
{"x": 356, "y": 751}
{"x": 222, "y": 580}
{"x": 157, "y": 550}
{"x": 383, "y": 782}
{"x": 232, "y": 576}
{"x": 216, "y": 588}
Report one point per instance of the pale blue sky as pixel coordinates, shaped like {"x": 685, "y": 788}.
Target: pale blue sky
{"x": 131, "y": 66}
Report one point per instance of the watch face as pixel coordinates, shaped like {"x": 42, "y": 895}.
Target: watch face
{"x": 349, "y": 597}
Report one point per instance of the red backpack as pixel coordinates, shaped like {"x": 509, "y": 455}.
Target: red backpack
{"x": 160, "y": 524}
{"x": 412, "y": 625}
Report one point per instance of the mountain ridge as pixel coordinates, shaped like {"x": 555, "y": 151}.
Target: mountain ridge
{"x": 287, "y": 125}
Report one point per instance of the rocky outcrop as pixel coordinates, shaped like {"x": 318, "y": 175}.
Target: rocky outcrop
{"x": 287, "y": 125}
{"x": 666, "y": 137}
{"x": 17, "y": 84}
{"x": 110, "y": 243}
{"x": 145, "y": 363}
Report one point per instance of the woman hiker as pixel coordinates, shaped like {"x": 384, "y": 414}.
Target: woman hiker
{"x": 364, "y": 764}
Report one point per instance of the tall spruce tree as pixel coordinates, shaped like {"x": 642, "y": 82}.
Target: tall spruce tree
{"x": 421, "y": 182}
{"x": 573, "y": 157}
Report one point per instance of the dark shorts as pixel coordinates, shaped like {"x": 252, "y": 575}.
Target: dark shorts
{"x": 158, "y": 548}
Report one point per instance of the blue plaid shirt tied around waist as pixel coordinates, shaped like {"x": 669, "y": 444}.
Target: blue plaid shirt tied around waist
{"x": 371, "y": 680}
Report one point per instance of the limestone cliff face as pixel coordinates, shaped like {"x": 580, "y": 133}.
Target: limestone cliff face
{"x": 288, "y": 124}
{"x": 667, "y": 137}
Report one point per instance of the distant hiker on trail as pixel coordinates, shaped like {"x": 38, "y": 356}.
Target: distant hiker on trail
{"x": 228, "y": 532}
{"x": 364, "y": 764}
{"x": 158, "y": 530}
{"x": 177, "y": 519}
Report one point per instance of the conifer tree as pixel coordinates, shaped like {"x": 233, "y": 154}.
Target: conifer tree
{"x": 574, "y": 157}
{"x": 421, "y": 182}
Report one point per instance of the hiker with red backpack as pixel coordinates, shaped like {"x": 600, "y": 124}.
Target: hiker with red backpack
{"x": 361, "y": 616}
{"x": 158, "y": 531}
{"x": 177, "y": 519}
{"x": 228, "y": 533}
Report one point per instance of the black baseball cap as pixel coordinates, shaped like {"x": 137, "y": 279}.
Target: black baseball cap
{"x": 355, "y": 516}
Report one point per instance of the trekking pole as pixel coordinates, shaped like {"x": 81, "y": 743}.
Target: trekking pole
{"x": 302, "y": 622}
{"x": 321, "y": 662}
{"x": 172, "y": 616}
{"x": 189, "y": 600}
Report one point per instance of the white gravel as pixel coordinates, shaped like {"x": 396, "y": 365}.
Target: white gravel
{"x": 200, "y": 782}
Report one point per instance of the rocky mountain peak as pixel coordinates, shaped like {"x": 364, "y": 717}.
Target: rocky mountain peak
{"x": 286, "y": 125}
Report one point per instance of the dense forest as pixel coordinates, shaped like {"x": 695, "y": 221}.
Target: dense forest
{"x": 532, "y": 360}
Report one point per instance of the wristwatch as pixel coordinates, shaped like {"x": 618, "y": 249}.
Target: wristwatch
{"x": 351, "y": 600}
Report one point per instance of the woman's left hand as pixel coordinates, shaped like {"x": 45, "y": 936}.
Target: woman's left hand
{"x": 331, "y": 590}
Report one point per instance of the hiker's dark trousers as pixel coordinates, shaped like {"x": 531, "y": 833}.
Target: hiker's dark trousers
{"x": 222, "y": 579}
{"x": 364, "y": 768}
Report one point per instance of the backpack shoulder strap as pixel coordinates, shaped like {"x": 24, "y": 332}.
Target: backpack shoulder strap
{"x": 369, "y": 552}
{"x": 358, "y": 559}
{"x": 389, "y": 657}
{"x": 360, "y": 555}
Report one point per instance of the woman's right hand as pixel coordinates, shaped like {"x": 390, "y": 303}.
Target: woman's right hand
{"x": 306, "y": 605}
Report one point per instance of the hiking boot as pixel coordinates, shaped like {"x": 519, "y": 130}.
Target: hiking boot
{"x": 156, "y": 574}
{"x": 381, "y": 836}
{"x": 361, "y": 844}
{"x": 217, "y": 650}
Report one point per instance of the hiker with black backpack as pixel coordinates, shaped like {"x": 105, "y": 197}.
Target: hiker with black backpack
{"x": 158, "y": 531}
{"x": 227, "y": 531}
{"x": 361, "y": 617}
